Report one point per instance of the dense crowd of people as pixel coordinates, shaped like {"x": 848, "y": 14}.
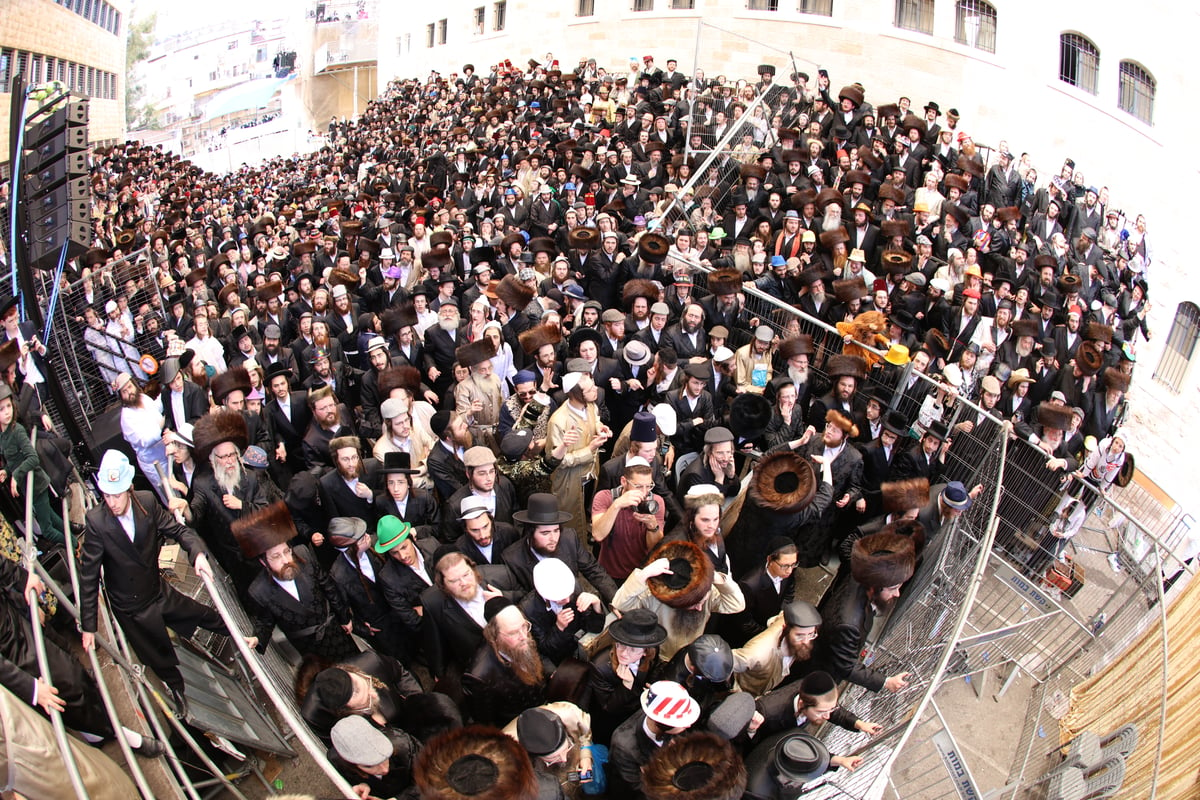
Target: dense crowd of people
{"x": 481, "y": 409}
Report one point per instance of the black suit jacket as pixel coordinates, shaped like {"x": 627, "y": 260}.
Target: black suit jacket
{"x": 451, "y": 636}
{"x": 339, "y": 501}
{"x": 195, "y": 405}
{"x": 503, "y": 535}
{"x": 506, "y": 504}
{"x": 131, "y": 573}
{"x": 520, "y": 560}
{"x": 402, "y": 586}
{"x": 762, "y": 600}
{"x": 446, "y": 470}
{"x": 320, "y": 603}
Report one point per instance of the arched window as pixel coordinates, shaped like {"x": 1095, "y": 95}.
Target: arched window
{"x": 914, "y": 15}
{"x": 975, "y": 24}
{"x": 1135, "y": 93}
{"x": 1078, "y": 62}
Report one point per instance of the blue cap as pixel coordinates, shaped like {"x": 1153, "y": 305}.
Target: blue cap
{"x": 535, "y": 104}
{"x": 569, "y": 187}
{"x": 507, "y": 192}
{"x": 956, "y": 496}
{"x": 778, "y": 261}
{"x": 255, "y": 457}
{"x": 525, "y": 376}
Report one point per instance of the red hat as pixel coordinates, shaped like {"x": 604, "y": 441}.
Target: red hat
{"x": 647, "y": 58}
{"x": 972, "y": 292}
{"x": 418, "y": 221}
{"x": 880, "y": 285}
{"x": 962, "y": 135}
{"x": 589, "y": 199}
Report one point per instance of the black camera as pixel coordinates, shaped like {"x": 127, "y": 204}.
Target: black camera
{"x": 648, "y": 506}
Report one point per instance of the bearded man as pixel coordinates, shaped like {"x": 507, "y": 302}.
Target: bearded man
{"x": 479, "y": 397}
{"x": 291, "y": 590}
{"x": 346, "y": 490}
{"x": 142, "y": 424}
{"x": 508, "y": 674}
{"x": 224, "y": 492}
{"x": 781, "y": 653}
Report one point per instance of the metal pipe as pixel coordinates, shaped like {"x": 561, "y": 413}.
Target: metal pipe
{"x": 315, "y": 749}
{"x": 1166, "y": 675}
{"x": 977, "y": 578}
{"x": 39, "y": 644}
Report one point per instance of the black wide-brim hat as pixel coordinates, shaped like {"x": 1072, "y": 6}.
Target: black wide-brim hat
{"x": 397, "y": 463}
{"x": 638, "y": 628}
{"x": 749, "y": 416}
{"x": 542, "y": 510}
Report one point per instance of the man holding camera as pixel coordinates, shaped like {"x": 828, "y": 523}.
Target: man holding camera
{"x": 628, "y": 521}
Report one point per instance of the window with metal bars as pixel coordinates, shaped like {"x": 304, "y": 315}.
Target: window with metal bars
{"x": 683, "y": 5}
{"x": 762, "y": 5}
{"x": 430, "y": 33}
{"x": 480, "y": 16}
{"x": 1135, "y": 92}
{"x": 822, "y": 8}
{"x": 915, "y": 15}
{"x": 643, "y": 5}
{"x": 499, "y": 15}
{"x": 975, "y": 24}
{"x": 443, "y": 30}
{"x": 1079, "y": 62}
{"x": 585, "y": 8}
{"x": 1180, "y": 347}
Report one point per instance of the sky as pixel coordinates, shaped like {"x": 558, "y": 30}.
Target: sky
{"x": 175, "y": 17}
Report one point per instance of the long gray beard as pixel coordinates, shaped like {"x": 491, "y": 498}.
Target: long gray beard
{"x": 832, "y": 220}
{"x": 228, "y": 482}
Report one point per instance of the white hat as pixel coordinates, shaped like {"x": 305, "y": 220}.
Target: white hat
{"x": 953, "y": 375}
{"x": 571, "y": 380}
{"x": 471, "y": 507}
{"x": 636, "y": 461}
{"x": 360, "y": 742}
{"x": 339, "y": 291}
{"x": 392, "y": 408}
{"x": 668, "y": 703}
{"x": 553, "y": 580}
{"x": 110, "y": 306}
{"x": 183, "y": 434}
{"x": 386, "y": 253}
{"x": 115, "y": 474}
{"x": 701, "y": 489}
{"x": 722, "y": 353}
{"x": 668, "y": 421}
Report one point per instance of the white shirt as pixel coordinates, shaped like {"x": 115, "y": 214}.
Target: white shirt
{"x": 289, "y": 587}
{"x": 474, "y": 607}
{"x": 126, "y": 521}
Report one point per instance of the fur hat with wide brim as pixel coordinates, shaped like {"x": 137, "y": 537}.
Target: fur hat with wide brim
{"x": 883, "y": 559}
{"x": 581, "y": 238}
{"x": 829, "y": 195}
{"x": 515, "y": 294}
{"x": 639, "y": 287}
{"x": 1098, "y": 332}
{"x": 474, "y": 353}
{"x": 840, "y": 366}
{"x": 900, "y": 496}
{"x": 830, "y": 239}
{"x": 725, "y": 281}
{"x": 342, "y": 277}
{"x": 260, "y": 530}
{"x": 221, "y": 425}
{"x": 402, "y": 377}
{"x": 784, "y": 481}
{"x": 394, "y": 319}
{"x": 850, "y": 289}
{"x": 538, "y": 337}
{"x": 474, "y": 763}
{"x": 695, "y": 766}
{"x": 749, "y": 416}
{"x": 653, "y": 248}
{"x": 894, "y": 227}
{"x": 1024, "y": 327}
{"x": 1089, "y": 359}
{"x": 691, "y": 575}
{"x": 1115, "y": 379}
{"x": 1055, "y": 417}
{"x": 228, "y": 381}
{"x": 800, "y": 344}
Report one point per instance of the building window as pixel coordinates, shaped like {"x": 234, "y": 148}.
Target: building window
{"x": 822, "y": 8}
{"x": 762, "y": 5}
{"x": 683, "y": 5}
{"x": 6, "y": 59}
{"x": 408, "y": 42}
{"x": 643, "y": 5}
{"x": 915, "y": 15}
{"x": 1135, "y": 94}
{"x": 1078, "y": 62}
{"x": 480, "y": 15}
{"x": 443, "y": 29}
{"x": 586, "y": 8}
{"x": 1181, "y": 345}
{"x": 975, "y": 24}
{"x": 499, "y": 15}
{"x": 430, "y": 32}
{"x": 232, "y": 45}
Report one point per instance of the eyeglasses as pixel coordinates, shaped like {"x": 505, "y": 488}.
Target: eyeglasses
{"x": 786, "y": 567}
{"x": 226, "y": 456}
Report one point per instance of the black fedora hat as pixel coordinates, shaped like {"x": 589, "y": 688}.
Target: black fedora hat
{"x": 800, "y": 758}
{"x": 542, "y": 510}
{"x": 581, "y": 335}
{"x": 638, "y": 628}
{"x": 896, "y": 423}
{"x": 398, "y": 462}
{"x": 749, "y": 416}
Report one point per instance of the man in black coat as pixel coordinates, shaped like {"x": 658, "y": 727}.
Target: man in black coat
{"x": 444, "y": 463}
{"x": 484, "y": 481}
{"x": 507, "y": 674}
{"x": 485, "y": 539}
{"x": 545, "y": 538}
{"x": 124, "y": 535}
{"x": 693, "y": 408}
{"x": 287, "y": 416}
{"x": 453, "y": 620}
{"x": 768, "y": 587}
{"x": 386, "y": 686}
{"x": 407, "y": 572}
{"x": 330, "y": 419}
{"x": 182, "y": 400}
{"x": 347, "y": 489}
{"x": 879, "y": 565}
{"x": 356, "y": 570}
{"x": 441, "y": 342}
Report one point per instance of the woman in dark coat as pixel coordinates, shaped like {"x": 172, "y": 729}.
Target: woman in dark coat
{"x": 620, "y": 669}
